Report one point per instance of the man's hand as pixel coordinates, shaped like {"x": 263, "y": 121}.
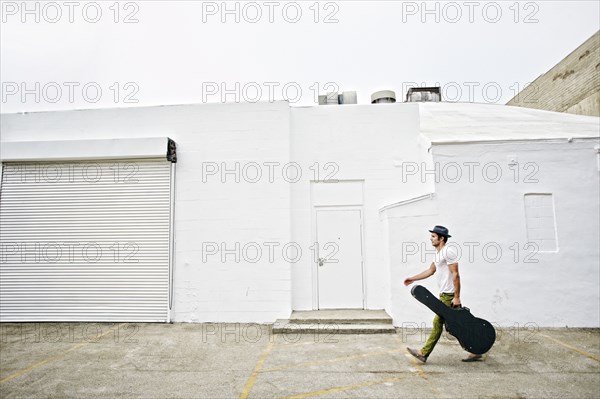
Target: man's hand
{"x": 455, "y": 302}
{"x": 408, "y": 281}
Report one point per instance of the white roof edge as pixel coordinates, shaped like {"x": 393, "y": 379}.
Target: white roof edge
{"x": 505, "y": 141}
{"x": 138, "y": 107}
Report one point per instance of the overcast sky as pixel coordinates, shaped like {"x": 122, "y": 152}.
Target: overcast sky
{"x": 79, "y": 54}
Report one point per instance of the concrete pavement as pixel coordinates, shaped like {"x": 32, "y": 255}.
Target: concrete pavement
{"x": 248, "y": 361}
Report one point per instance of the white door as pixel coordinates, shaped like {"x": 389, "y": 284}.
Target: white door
{"x": 339, "y": 263}
{"x": 85, "y": 241}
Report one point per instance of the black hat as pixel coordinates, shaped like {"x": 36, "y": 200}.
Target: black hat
{"x": 440, "y": 231}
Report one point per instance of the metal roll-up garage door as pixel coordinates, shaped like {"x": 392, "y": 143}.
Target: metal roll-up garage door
{"x": 85, "y": 241}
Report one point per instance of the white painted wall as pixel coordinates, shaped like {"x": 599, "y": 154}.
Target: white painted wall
{"x": 369, "y": 144}
{"x": 562, "y": 288}
{"x": 210, "y": 211}
{"x": 366, "y": 143}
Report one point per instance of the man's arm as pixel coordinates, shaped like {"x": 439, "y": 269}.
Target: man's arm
{"x": 456, "y": 280}
{"x": 421, "y": 276}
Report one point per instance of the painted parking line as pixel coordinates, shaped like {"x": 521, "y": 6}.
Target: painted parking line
{"x": 580, "y": 351}
{"x": 329, "y": 361}
{"x": 344, "y": 388}
{"x": 416, "y": 363}
{"x": 418, "y": 369}
{"x": 257, "y": 369}
{"x": 55, "y": 357}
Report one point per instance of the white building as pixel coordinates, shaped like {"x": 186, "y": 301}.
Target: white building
{"x": 99, "y": 225}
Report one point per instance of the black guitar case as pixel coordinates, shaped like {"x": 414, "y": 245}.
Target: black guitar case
{"x": 475, "y": 335}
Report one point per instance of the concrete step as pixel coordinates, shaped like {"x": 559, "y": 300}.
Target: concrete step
{"x": 336, "y": 321}
{"x": 340, "y": 316}
{"x": 289, "y": 327}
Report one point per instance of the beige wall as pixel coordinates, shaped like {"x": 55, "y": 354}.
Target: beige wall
{"x": 572, "y": 85}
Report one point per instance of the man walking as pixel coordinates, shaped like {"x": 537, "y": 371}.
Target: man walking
{"x": 446, "y": 266}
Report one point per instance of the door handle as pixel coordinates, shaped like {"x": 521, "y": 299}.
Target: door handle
{"x": 321, "y": 261}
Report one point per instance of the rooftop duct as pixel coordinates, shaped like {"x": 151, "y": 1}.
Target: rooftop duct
{"x": 383, "y": 96}
{"x": 347, "y": 97}
{"x": 423, "y": 94}
{"x": 332, "y": 98}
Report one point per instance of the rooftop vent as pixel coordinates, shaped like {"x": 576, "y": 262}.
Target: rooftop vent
{"x": 423, "y": 94}
{"x": 332, "y": 98}
{"x": 383, "y": 96}
{"x": 347, "y": 97}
